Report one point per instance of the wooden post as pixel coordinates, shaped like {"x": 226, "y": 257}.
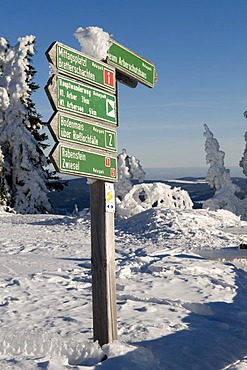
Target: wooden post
{"x": 103, "y": 266}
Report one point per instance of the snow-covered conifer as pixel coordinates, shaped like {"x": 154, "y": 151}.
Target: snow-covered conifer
{"x": 218, "y": 177}
{"x": 129, "y": 168}
{"x": 23, "y": 178}
{"x": 243, "y": 162}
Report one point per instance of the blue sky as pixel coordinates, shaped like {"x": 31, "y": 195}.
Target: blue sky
{"x": 199, "y": 49}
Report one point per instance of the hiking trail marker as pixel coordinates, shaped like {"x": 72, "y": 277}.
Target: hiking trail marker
{"x": 82, "y": 92}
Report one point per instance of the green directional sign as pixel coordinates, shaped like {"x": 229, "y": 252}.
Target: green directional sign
{"x": 71, "y": 62}
{"x": 82, "y": 100}
{"x": 131, "y": 64}
{"x": 80, "y": 131}
{"x": 82, "y": 162}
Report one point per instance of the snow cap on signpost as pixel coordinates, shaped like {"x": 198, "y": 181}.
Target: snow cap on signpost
{"x": 94, "y": 41}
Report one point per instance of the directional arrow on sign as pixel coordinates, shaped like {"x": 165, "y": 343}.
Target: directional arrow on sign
{"x": 81, "y": 99}
{"x": 110, "y": 108}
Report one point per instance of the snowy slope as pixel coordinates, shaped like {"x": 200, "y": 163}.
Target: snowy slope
{"x": 181, "y": 300}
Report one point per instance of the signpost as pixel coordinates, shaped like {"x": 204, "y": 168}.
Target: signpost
{"x": 131, "y": 64}
{"x": 71, "y": 62}
{"x": 83, "y": 96}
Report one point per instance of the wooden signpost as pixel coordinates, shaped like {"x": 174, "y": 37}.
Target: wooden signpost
{"x": 83, "y": 95}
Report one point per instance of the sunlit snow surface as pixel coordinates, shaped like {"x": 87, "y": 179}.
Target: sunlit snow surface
{"x": 181, "y": 300}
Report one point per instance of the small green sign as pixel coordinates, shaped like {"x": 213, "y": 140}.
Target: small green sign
{"x": 85, "y": 163}
{"x": 80, "y": 131}
{"x": 71, "y": 62}
{"x": 131, "y": 64}
{"x": 82, "y": 100}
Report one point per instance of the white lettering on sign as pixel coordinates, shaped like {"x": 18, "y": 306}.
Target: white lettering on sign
{"x": 132, "y": 68}
{"x": 98, "y": 130}
{"x": 99, "y": 95}
{"x": 88, "y": 139}
{"x": 92, "y": 112}
{"x": 99, "y": 172}
{"x": 146, "y": 66}
{"x": 67, "y": 122}
{"x": 67, "y": 153}
{"x": 65, "y": 134}
{"x": 113, "y": 58}
{"x": 74, "y": 107}
{"x": 70, "y": 86}
{"x": 71, "y": 96}
{"x": 85, "y": 100}
{"x": 97, "y": 66}
{"x": 74, "y": 58}
{"x": 73, "y": 166}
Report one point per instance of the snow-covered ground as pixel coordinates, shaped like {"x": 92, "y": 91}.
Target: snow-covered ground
{"x": 181, "y": 292}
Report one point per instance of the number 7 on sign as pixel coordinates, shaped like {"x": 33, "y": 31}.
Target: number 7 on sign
{"x": 110, "y": 140}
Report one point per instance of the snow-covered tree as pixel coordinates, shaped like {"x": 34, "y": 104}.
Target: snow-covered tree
{"x": 154, "y": 195}
{"x": 132, "y": 199}
{"x": 23, "y": 174}
{"x": 218, "y": 177}
{"x": 243, "y": 161}
{"x": 129, "y": 168}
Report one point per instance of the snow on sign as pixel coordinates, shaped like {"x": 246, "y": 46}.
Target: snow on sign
{"x": 71, "y": 62}
{"x": 131, "y": 64}
{"x": 81, "y": 99}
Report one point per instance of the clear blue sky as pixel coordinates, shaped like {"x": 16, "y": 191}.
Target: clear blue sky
{"x": 199, "y": 48}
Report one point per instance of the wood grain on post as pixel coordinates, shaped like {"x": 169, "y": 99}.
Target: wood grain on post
{"x": 103, "y": 266}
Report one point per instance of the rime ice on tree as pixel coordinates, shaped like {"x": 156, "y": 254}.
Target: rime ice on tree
{"x": 243, "y": 162}
{"x": 23, "y": 179}
{"x": 218, "y": 177}
{"x": 131, "y": 200}
{"x": 129, "y": 168}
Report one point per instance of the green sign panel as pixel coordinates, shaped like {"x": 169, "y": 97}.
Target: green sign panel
{"x": 131, "y": 64}
{"x": 71, "y": 62}
{"x": 71, "y": 129}
{"x": 85, "y": 163}
{"x": 82, "y": 100}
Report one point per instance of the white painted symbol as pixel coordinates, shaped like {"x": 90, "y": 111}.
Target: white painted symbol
{"x": 110, "y": 108}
